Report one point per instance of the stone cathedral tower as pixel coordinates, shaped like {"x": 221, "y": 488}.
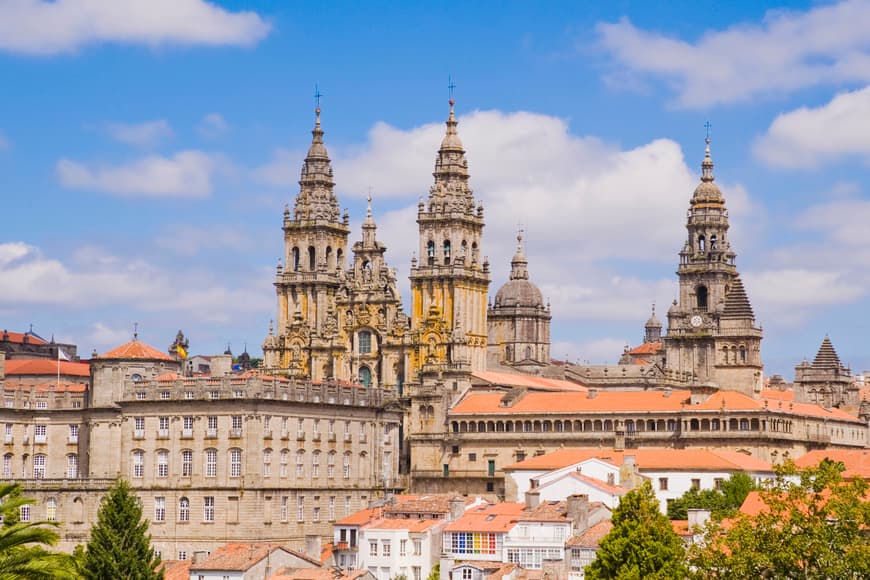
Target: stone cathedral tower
{"x": 449, "y": 282}
{"x": 712, "y": 337}
{"x": 315, "y": 242}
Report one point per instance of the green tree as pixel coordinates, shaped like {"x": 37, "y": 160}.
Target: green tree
{"x": 120, "y": 546}
{"x": 435, "y": 574}
{"x": 808, "y": 523}
{"x": 23, "y": 553}
{"x": 642, "y": 543}
{"x": 721, "y": 503}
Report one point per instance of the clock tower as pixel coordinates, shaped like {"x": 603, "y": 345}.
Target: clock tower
{"x": 712, "y": 337}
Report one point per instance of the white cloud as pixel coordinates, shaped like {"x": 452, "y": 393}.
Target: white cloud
{"x": 103, "y": 337}
{"x": 39, "y": 27}
{"x": 213, "y": 125}
{"x": 280, "y": 171}
{"x": 787, "y": 51}
{"x": 145, "y": 134}
{"x": 789, "y": 296}
{"x": 185, "y": 174}
{"x": 808, "y": 137}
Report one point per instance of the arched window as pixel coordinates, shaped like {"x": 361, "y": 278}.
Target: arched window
{"x": 39, "y": 466}
{"x": 528, "y": 353}
{"x": 284, "y": 459}
{"x": 701, "y": 293}
{"x": 295, "y": 259}
{"x": 311, "y": 264}
{"x": 267, "y": 462}
{"x": 430, "y": 253}
{"x": 742, "y": 354}
{"x": 162, "y": 463}
{"x": 329, "y": 258}
{"x": 339, "y": 256}
{"x": 365, "y": 376}
{"x": 186, "y": 463}
{"x": 183, "y": 510}
{"x": 235, "y": 462}
{"x": 78, "y": 511}
{"x": 365, "y": 342}
{"x": 509, "y": 353}
{"x": 712, "y": 242}
{"x": 51, "y": 509}
{"x": 138, "y": 467}
{"x": 701, "y": 244}
{"x": 72, "y": 466}
{"x": 300, "y": 463}
{"x": 446, "y": 251}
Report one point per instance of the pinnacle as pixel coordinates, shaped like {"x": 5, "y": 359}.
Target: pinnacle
{"x": 737, "y": 302}
{"x": 827, "y": 357}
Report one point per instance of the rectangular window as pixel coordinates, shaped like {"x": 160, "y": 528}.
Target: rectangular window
{"x": 182, "y": 554}
{"x": 696, "y": 484}
{"x": 330, "y": 465}
{"x": 8, "y": 432}
{"x": 39, "y": 466}
{"x": 214, "y": 394}
{"x": 211, "y": 463}
{"x": 165, "y": 395}
{"x": 211, "y": 429}
{"x": 332, "y": 508}
{"x": 315, "y": 464}
{"x": 373, "y": 548}
{"x": 139, "y": 427}
{"x": 208, "y": 508}
{"x": 189, "y": 395}
{"x": 385, "y": 548}
{"x": 24, "y": 513}
{"x": 184, "y": 510}
{"x": 159, "y": 509}
{"x": 42, "y": 404}
{"x": 403, "y": 547}
{"x": 51, "y": 509}
{"x": 418, "y": 547}
{"x": 39, "y": 433}
{"x": 138, "y": 463}
{"x": 490, "y": 467}
{"x": 187, "y": 427}
{"x": 267, "y": 463}
{"x": 186, "y": 463}
{"x": 73, "y": 433}
{"x": 7, "y": 466}
{"x": 236, "y": 430}
{"x": 416, "y": 573}
{"x": 235, "y": 462}
{"x": 284, "y": 500}
{"x": 141, "y": 395}
{"x": 365, "y": 342}
{"x": 346, "y": 505}
{"x": 163, "y": 463}
{"x": 300, "y": 508}
{"x": 300, "y": 463}
{"x": 663, "y": 483}
{"x": 717, "y": 483}
{"x": 346, "y": 465}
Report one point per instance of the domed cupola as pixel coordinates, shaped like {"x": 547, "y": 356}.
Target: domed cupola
{"x": 518, "y": 322}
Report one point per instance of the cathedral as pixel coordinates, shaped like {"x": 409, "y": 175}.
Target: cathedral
{"x": 458, "y": 353}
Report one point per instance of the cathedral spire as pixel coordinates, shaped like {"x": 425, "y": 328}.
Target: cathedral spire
{"x": 451, "y": 191}
{"x": 369, "y": 227}
{"x": 316, "y": 200}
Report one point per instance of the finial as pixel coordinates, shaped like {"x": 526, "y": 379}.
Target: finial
{"x": 519, "y": 239}
{"x": 707, "y": 164}
{"x": 450, "y": 86}
{"x": 135, "y": 331}
{"x": 654, "y": 308}
{"x": 317, "y": 95}
{"x": 369, "y": 200}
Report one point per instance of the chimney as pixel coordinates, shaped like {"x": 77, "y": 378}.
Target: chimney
{"x": 457, "y": 508}
{"x": 578, "y": 511}
{"x": 628, "y": 472}
{"x": 554, "y": 569}
{"x": 698, "y": 517}
{"x": 667, "y": 392}
{"x": 592, "y": 393}
{"x": 533, "y": 498}
{"x": 199, "y": 557}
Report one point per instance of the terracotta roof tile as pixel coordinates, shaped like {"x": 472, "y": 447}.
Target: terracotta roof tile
{"x": 410, "y": 524}
{"x": 518, "y": 380}
{"x": 316, "y": 574}
{"x": 648, "y": 458}
{"x": 18, "y": 337}
{"x": 552, "y": 403}
{"x": 424, "y": 504}
{"x": 241, "y": 556}
{"x": 175, "y": 569}
{"x": 361, "y": 517}
{"x": 857, "y": 461}
{"x": 43, "y": 386}
{"x": 734, "y": 401}
{"x": 499, "y": 517}
{"x": 136, "y": 350}
{"x": 46, "y": 366}
{"x": 546, "y": 511}
{"x": 647, "y": 348}
{"x": 592, "y": 537}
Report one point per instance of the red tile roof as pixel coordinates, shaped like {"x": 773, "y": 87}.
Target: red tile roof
{"x": 734, "y": 401}
{"x": 592, "y": 537}
{"x": 518, "y": 380}
{"x": 175, "y": 569}
{"x": 241, "y": 556}
{"x": 316, "y": 574}
{"x": 361, "y": 517}
{"x": 647, "y": 348}
{"x": 659, "y": 458}
{"x": 499, "y": 517}
{"x": 18, "y": 337}
{"x": 46, "y": 366}
{"x": 42, "y": 386}
{"x": 410, "y": 524}
{"x": 562, "y": 402}
{"x": 136, "y": 350}
{"x": 857, "y": 461}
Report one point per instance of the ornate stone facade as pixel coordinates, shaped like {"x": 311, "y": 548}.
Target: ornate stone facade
{"x": 712, "y": 336}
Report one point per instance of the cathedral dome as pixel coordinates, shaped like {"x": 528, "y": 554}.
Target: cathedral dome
{"x": 521, "y": 293}
{"x": 518, "y": 291}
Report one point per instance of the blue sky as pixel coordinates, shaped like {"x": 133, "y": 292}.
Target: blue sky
{"x": 147, "y": 150}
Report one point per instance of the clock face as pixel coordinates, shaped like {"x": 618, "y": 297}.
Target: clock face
{"x": 696, "y": 321}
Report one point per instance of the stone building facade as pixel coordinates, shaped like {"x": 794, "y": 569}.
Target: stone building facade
{"x": 238, "y": 457}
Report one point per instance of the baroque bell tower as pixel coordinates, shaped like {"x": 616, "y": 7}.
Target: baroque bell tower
{"x": 449, "y": 282}
{"x": 712, "y": 337}
{"x": 315, "y": 242}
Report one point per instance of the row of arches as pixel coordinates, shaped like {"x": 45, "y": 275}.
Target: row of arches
{"x": 310, "y": 263}
{"x": 629, "y": 425}
{"x": 447, "y": 250}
